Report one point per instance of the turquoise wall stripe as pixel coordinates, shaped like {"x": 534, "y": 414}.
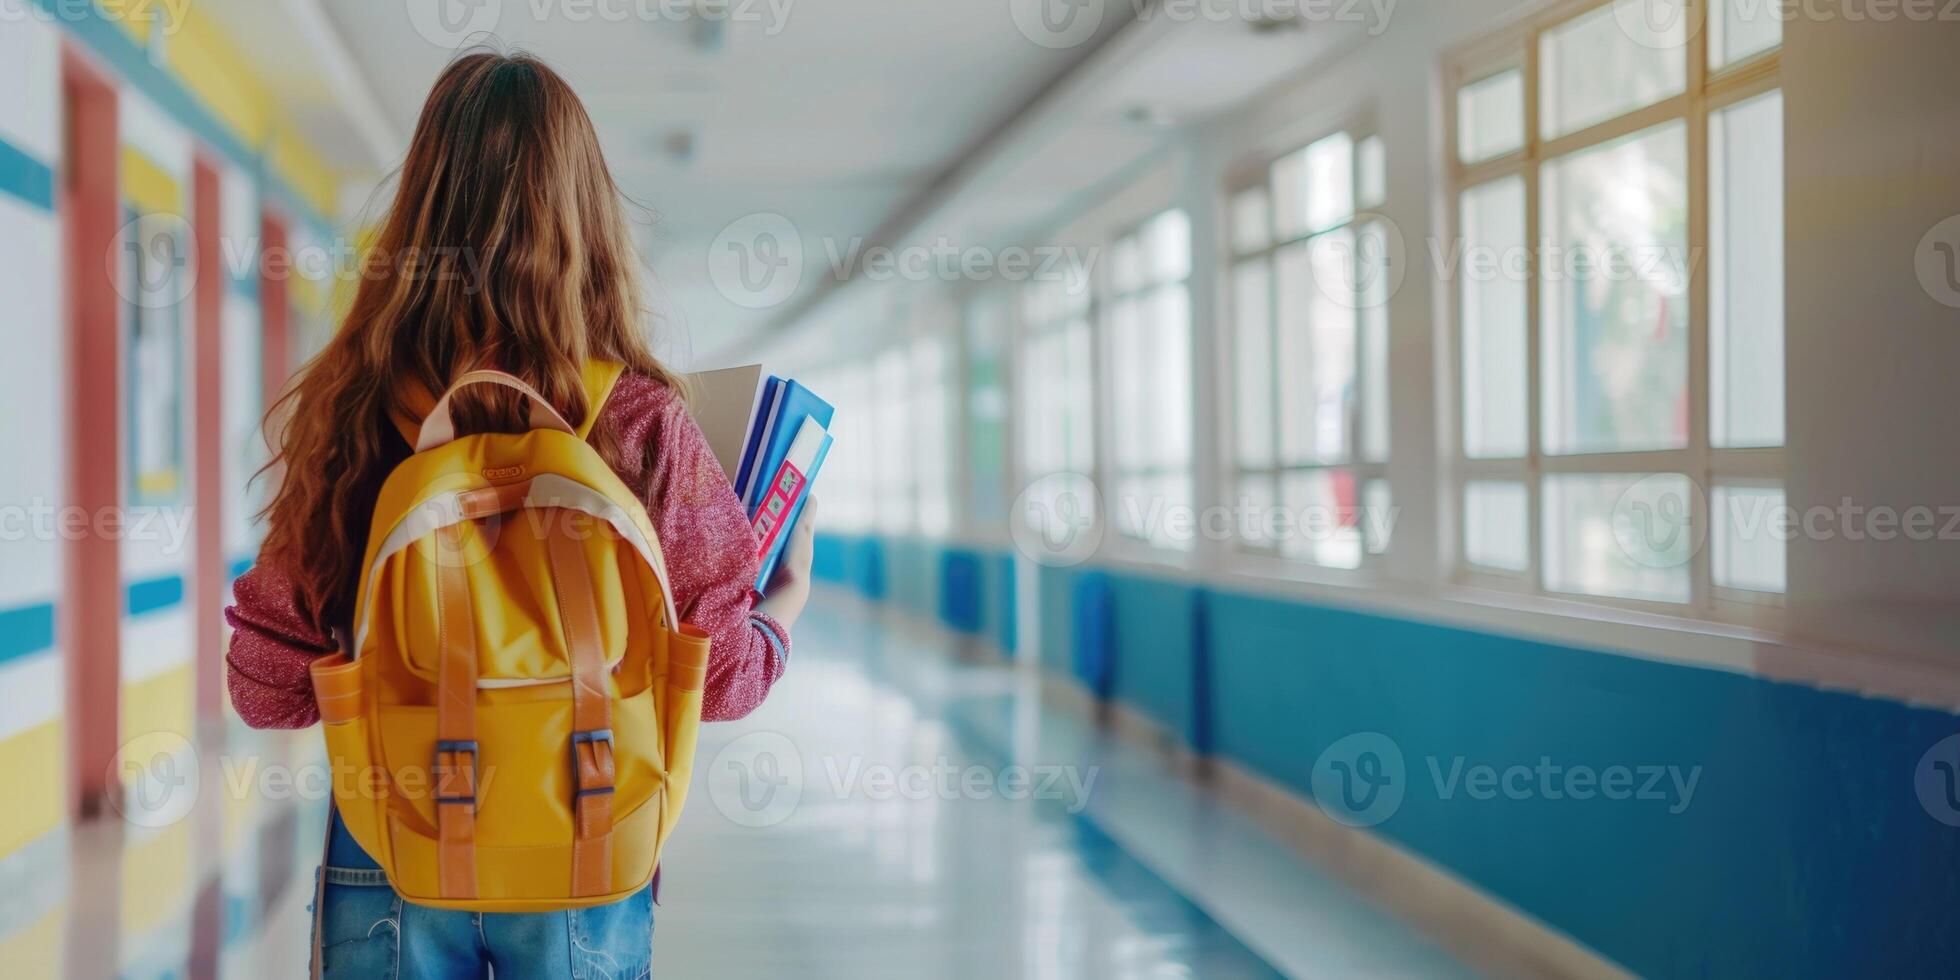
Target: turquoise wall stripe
{"x": 1771, "y": 867}
{"x": 26, "y": 178}
{"x": 26, "y": 630}
{"x": 1809, "y": 846}
{"x": 247, "y": 285}
{"x": 153, "y": 594}
{"x": 108, "y": 42}
{"x": 240, "y": 566}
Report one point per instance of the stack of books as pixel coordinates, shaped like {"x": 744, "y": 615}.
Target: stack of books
{"x": 771, "y": 437}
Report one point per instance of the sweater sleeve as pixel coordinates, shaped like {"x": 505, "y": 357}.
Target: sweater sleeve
{"x": 272, "y": 647}
{"x": 709, "y": 546}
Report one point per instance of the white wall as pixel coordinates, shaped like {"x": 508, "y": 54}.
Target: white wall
{"x": 242, "y": 446}
{"x": 33, "y": 371}
{"x": 160, "y": 641}
{"x": 1872, "y": 163}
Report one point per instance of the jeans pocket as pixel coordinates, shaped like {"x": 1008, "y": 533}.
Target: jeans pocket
{"x": 360, "y": 926}
{"x": 613, "y": 942}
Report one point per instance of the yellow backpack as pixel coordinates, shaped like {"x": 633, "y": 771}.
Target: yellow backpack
{"x": 516, "y": 725}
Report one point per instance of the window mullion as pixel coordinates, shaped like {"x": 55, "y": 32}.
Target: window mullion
{"x": 1700, "y": 324}
{"x": 1533, "y": 302}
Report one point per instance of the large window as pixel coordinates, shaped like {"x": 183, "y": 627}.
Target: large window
{"x": 1310, "y": 282}
{"x": 1057, "y": 380}
{"x": 894, "y": 475}
{"x": 931, "y": 423}
{"x": 1149, "y": 331}
{"x": 890, "y": 464}
{"x": 849, "y": 479}
{"x": 1620, "y": 411}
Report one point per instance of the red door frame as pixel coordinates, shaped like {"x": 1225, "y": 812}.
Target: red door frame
{"x": 209, "y": 588}
{"x": 275, "y": 311}
{"x": 90, "y": 624}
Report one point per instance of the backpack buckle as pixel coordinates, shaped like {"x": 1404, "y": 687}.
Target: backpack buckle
{"x": 455, "y": 783}
{"x": 592, "y": 770}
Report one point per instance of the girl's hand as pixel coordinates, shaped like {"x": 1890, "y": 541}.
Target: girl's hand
{"x": 789, "y": 587}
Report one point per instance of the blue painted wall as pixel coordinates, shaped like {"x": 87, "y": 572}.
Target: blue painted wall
{"x": 1803, "y": 850}
{"x": 970, "y": 590}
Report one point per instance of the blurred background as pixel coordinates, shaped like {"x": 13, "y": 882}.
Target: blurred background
{"x": 1322, "y": 487}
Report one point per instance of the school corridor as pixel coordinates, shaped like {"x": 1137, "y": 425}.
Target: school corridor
{"x": 904, "y": 808}
{"x": 1315, "y": 488}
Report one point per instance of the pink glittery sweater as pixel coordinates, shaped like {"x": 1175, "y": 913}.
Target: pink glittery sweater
{"x": 711, "y": 562}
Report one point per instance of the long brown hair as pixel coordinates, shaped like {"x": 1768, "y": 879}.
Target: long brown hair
{"x": 505, "y": 246}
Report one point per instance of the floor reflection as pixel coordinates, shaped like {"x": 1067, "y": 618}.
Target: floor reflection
{"x": 898, "y": 809}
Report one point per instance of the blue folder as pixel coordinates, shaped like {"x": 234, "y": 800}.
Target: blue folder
{"x": 779, "y": 414}
{"x": 775, "y": 555}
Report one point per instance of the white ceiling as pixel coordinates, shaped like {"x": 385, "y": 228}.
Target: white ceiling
{"x": 833, "y": 114}
{"x": 882, "y": 120}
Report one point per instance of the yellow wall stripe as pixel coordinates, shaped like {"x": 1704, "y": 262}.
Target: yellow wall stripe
{"x": 201, "y": 53}
{"x": 156, "y": 878}
{"x": 304, "y": 170}
{"x": 163, "y": 703}
{"x": 33, "y": 761}
{"x": 35, "y": 950}
{"x": 212, "y": 67}
{"x": 148, "y": 186}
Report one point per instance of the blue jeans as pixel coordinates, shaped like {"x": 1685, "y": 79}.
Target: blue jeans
{"x": 367, "y": 932}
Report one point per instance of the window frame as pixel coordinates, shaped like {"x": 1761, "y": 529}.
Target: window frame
{"x": 1707, "y": 91}
{"x": 1367, "y": 470}
{"x": 1037, "y": 321}
{"x": 1110, "y": 296}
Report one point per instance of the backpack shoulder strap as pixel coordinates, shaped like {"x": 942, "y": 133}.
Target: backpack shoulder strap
{"x": 600, "y": 377}
{"x": 420, "y": 403}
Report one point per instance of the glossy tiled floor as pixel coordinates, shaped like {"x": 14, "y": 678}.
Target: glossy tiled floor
{"x": 896, "y": 810}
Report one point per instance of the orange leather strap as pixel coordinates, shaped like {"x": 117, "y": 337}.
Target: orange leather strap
{"x": 592, "y": 739}
{"x": 492, "y": 500}
{"x": 456, "y": 749}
